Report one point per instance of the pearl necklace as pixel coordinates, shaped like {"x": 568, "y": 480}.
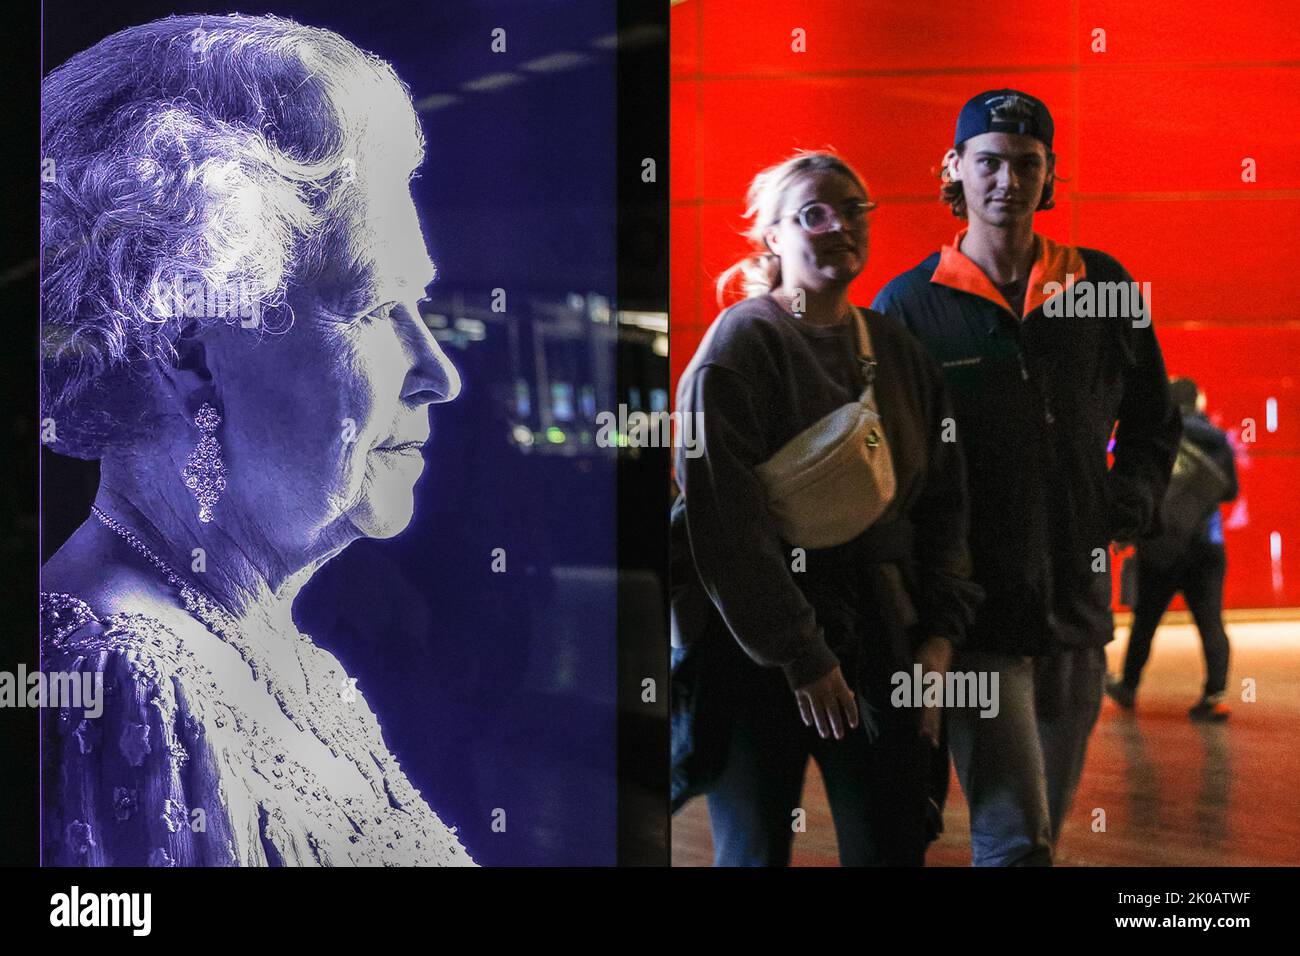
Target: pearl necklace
{"x": 221, "y": 624}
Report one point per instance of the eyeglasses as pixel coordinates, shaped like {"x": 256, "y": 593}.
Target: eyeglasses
{"x": 819, "y": 217}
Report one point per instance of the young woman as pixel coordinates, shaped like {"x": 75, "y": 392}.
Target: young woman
{"x": 803, "y": 644}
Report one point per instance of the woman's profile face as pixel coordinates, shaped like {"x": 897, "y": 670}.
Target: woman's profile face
{"x": 324, "y": 423}
{"x": 814, "y": 261}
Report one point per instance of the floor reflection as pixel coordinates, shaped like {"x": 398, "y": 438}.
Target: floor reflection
{"x": 1175, "y": 793}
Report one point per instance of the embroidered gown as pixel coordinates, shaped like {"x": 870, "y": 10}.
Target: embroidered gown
{"x": 192, "y": 761}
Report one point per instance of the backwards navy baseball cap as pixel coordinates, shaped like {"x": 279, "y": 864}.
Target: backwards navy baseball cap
{"x": 1005, "y": 111}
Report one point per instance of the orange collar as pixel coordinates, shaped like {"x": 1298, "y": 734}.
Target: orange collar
{"x": 1055, "y": 263}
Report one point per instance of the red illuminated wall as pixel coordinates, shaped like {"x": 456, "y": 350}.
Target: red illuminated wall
{"x": 1151, "y": 135}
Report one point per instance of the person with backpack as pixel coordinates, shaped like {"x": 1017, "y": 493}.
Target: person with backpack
{"x": 1188, "y": 556}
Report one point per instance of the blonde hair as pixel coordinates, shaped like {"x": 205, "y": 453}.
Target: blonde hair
{"x": 760, "y": 270}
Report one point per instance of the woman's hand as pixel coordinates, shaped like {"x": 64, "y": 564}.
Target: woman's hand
{"x": 829, "y": 703}
{"x": 934, "y": 654}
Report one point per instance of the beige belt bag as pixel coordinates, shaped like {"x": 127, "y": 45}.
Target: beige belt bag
{"x": 835, "y": 478}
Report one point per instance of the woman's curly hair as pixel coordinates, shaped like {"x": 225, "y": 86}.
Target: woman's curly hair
{"x": 218, "y": 148}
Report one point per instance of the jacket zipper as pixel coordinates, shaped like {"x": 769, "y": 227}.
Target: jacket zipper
{"x": 1024, "y": 375}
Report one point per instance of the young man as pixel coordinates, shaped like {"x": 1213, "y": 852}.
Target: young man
{"x": 1188, "y": 557}
{"x": 1039, "y": 375}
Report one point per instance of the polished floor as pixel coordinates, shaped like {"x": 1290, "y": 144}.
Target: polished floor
{"x": 1174, "y": 793}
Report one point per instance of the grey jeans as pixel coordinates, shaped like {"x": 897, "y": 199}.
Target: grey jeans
{"x": 1019, "y": 770}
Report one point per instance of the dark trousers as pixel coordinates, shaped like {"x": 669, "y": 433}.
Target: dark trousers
{"x": 878, "y": 791}
{"x": 1199, "y": 576}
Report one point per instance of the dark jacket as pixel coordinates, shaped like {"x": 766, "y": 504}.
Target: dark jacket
{"x": 1036, "y": 401}
{"x": 759, "y": 378}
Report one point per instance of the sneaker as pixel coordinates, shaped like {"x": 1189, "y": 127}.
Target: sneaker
{"x": 1120, "y": 692}
{"x": 1211, "y": 709}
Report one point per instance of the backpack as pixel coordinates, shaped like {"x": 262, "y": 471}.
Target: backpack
{"x": 1196, "y": 487}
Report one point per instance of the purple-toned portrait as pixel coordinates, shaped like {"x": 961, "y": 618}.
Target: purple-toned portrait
{"x": 232, "y": 270}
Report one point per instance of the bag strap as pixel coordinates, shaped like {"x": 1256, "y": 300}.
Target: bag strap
{"x": 866, "y": 358}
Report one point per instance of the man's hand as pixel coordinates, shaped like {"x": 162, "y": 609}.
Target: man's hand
{"x": 934, "y": 654}
{"x": 829, "y": 704}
